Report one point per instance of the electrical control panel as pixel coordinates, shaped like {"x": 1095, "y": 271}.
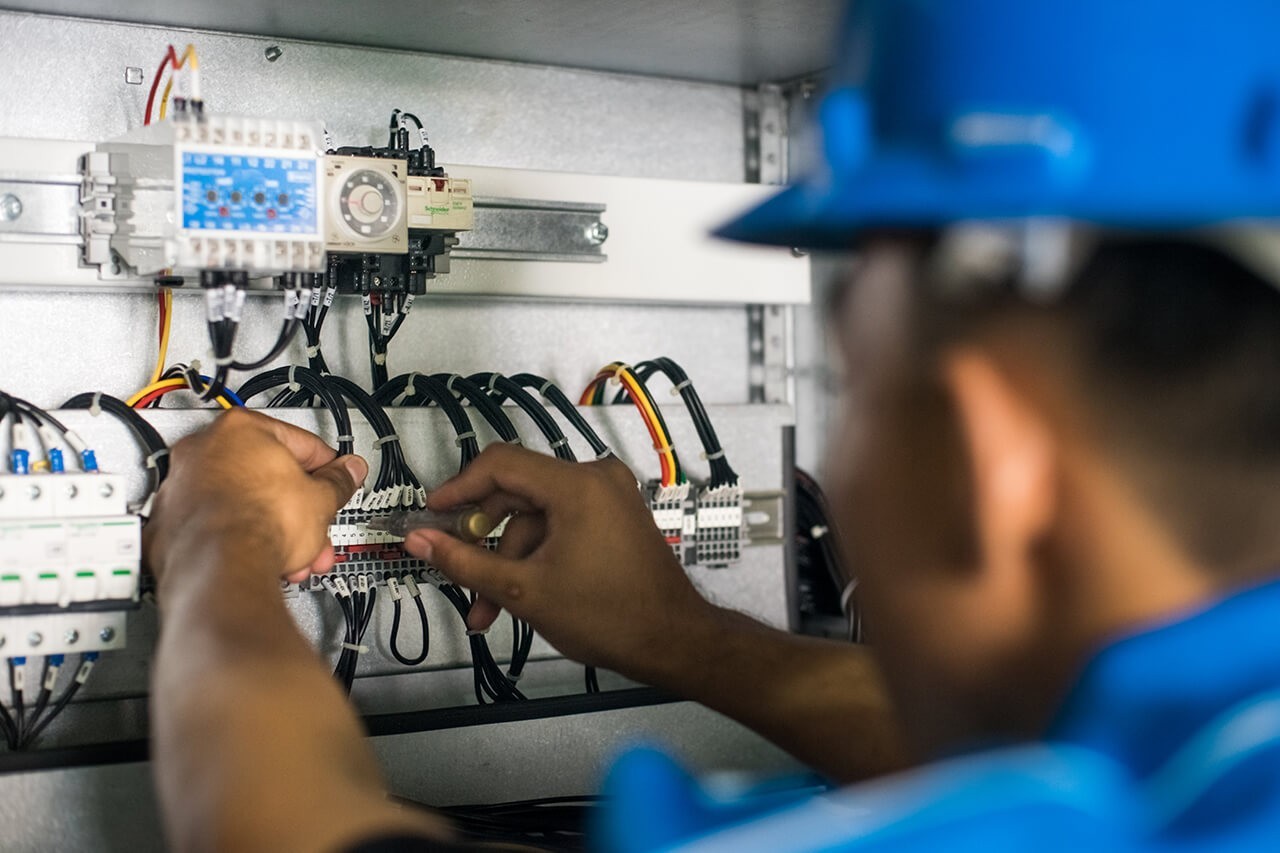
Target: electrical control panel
{"x": 213, "y": 192}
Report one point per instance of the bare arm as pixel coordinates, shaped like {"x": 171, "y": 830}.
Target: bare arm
{"x": 249, "y": 725}
{"x": 582, "y": 562}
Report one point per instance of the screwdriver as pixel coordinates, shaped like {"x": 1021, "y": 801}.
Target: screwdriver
{"x": 468, "y": 523}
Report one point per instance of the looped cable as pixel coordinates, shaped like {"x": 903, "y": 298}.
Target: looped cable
{"x": 680, "y": 386}
{"x": 95, "y": 405}
{"x": 463, "y": 437}
{"x": 493, "y": 380}
{"x": 223, "y": 361}
{"x": 386, "y": 439}
{"x": 449, "y": 384}
{"x": 545, "y": 386}
{"x": 294, "y": 386}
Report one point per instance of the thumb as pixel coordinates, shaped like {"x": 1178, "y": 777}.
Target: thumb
{"x": 340, "y": 478}
{"x": 499, "y": 579}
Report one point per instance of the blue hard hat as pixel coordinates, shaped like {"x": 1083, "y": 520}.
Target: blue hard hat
{"x": 1147, "y": 114}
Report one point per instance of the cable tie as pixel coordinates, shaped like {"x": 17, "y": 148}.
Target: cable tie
{"x": 604, "y": 454}
{"x": 379, "y": 358}
{"x": 663, "y": 448}
{"x": 712, "y": 457}
{"x": 472, "y": 633}
{"x": 616, "y": 379}
{"x": 345, "y": 438}
{"x": 545, "y": 386}
{"x": 493, "y": 380}
{"x": 559, "y": 443}
{"x": 463, "y": 437}
{"x": 452, "y": 379}
{"x": 386, "y": 439}
{"x": 409, "y": 390}
{"x": 516, "y": 441}
{"x": 513, "y": 677}
{"x": 223, "y": 361}
{"x": 680, "y": 386}
{"x": 95, "y": 405}
{"x": 358, "y": 649}
{"x": 293, "y": 383}
{"x": 155, "y": 458}
{"x": 312, "y": 352}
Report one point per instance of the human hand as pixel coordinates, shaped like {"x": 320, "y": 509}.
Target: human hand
{"x": 581, "y": 559}
{"x": 249, "y": 479}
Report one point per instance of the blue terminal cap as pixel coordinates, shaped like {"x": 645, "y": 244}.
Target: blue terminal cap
{"x": 1148, "y": 114}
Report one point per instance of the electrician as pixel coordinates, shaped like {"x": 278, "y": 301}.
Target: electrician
{"x": 1058, "y": 469}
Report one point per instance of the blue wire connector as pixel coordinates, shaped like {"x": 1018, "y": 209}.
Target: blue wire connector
{"x": 20, "y": 461}
{"x": 56, "y": 465}
{"x": 88, "y": 461}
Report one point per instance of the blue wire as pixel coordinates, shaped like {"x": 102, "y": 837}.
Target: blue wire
{"x": 226, "y": 392}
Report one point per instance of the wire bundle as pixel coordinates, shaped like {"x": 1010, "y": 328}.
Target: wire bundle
{"x": 188, "y": 61}
{"x": 313, "y": 320}
{"x": 594, "y": 395}
{"x": 153, "y": 444}
{"x": 384, "y": 313}
{"x": 357, "y": 609}
{"x": 396, "y": 484}
{"x": 722, "y": 473}
{"x": 557, "y": 398}
{"x": 417, "y": 389}
{"x": 21, "y": 729}
{"x": 815, "y": 529}
{"x": 181, "y": 377}
{"x": 302, "y": 381}
{"x": 491, "y": 685}
{"x": 33, "y": 425}
{"x": 503, "y": 388}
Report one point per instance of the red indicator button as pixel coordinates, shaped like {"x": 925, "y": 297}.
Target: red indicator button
{"x": 271, "y": 213}
{"x": 222, "y": 211}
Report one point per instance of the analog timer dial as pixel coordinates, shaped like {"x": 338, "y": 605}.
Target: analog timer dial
{"x": 369, "y": 203}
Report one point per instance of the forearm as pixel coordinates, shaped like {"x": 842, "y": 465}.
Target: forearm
{"x": 248, "y": 722}
{"x": 822, "y": 701}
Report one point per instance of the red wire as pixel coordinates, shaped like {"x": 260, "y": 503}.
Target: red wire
{"x": 156, "y": 395}
{"x": 170, "y": 56}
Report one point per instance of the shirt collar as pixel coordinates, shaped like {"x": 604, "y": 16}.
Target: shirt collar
{"x": 1144, "y": 695}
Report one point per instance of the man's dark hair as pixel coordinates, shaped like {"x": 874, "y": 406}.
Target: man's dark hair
{"x": 1173, "y": 351}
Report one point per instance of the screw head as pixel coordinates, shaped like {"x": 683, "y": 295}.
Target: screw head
{"x": 106, "y": 490}
{"x": 34, "y": 492}
{"x": 35, "y": 638}
{"x": 71, "y": 637}
{"x": 72, "y": 491}
{"x": 273, "y": 53}
{"x": 10, "y": 207}
{"x": 598, "y": 233}
{"x": 107, "y": 634}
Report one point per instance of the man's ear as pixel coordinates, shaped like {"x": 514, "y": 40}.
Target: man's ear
{"x": 1012, "y": 457}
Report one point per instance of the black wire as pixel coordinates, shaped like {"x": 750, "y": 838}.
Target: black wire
{"x": 8, "y": 728}
{"x": 395, "y": 633}
{"x": 566, "y": 407}
{"x": 502, "y": 387}
{"x": 147, "y": 435}
{"x": 314, "y": 386}
{"x": 58, "y": 706}
{"x": 19, "y": 715}
{"x": 487, "y": 406}
{"x": 426, "y": 391}
{"x": 722, "y": 473}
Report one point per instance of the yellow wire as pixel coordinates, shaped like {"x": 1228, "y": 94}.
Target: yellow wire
{"x": 624, "y": 375}
{"x": 166, "y": 384}
{"x": 163, "y": 353}
{"x": 188, "y": 56}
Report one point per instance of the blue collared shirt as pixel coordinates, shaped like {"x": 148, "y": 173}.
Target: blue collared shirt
{"x": 1169, "y": 740}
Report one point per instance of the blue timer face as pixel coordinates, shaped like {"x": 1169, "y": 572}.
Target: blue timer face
{"x": 251, "y": 193}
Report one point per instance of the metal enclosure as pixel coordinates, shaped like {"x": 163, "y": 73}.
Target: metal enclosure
{"x": 486, "y": 113}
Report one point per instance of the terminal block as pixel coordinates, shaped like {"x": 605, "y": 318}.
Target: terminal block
{"x": 70, "y": 560}
{"x": 206, "y": 192}
{"x": 703, "y": 526}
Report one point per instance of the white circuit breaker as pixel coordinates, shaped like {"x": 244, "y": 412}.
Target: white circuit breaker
{"x": 70, "y": 560}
